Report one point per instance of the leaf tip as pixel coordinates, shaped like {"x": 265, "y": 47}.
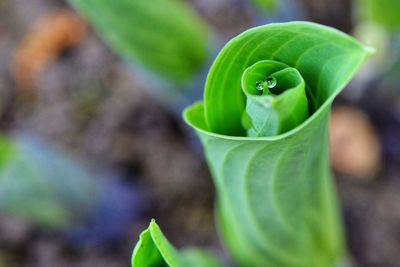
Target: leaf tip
{"x": 153, "y": 226}
{"x": 370, "y": 50}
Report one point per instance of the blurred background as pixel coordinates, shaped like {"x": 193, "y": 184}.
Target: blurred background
{"x": 93, "y": 146}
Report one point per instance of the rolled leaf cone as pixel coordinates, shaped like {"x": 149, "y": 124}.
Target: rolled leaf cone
{"x": 276, "y": 200}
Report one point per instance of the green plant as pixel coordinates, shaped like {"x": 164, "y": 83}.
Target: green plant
{"x": 42, "y": 185}
{"x": 166, "y": 36}
{"x": 377, "y": 23}
{"x": 264, "y": 128}
{"x": 153, "y": 249}
{"x": 382, "y": 12}
{"x": 266, "y": 5}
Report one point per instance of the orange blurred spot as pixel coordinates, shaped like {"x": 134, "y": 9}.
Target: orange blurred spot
{"x": 50, "y": 36}
{"x": 355, "y": 148}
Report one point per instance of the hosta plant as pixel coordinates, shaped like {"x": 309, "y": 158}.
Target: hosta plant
{"x": 263, "y": 124}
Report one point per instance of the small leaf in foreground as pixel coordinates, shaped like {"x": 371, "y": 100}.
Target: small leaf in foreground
{"x": 153, "y": 249}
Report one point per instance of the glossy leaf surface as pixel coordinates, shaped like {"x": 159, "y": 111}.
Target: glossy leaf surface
{"x": 276, "y": 202}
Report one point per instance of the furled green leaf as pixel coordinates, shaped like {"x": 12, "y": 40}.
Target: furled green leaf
{"x": 166, "y": 36}
{"x": 383, "y": 12}
{"x": 153, "y": 249}
{"x": 276, "y": 98}
{"x": 276, "y": 203}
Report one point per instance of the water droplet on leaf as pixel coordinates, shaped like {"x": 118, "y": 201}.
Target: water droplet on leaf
{"x": 260, "y": 87}
{"x": 271, "y": 82}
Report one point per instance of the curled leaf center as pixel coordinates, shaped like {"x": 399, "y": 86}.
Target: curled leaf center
{"x": 268, "y": 83}
{"x": 275, "y": 98}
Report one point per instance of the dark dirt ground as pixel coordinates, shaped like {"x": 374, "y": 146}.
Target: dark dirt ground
{"x": 106, "y": 116}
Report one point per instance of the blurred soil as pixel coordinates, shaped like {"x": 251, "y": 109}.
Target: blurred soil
{"x": 84, "y": 100}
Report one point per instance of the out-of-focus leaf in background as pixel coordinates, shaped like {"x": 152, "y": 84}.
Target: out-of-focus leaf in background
{"x": 166, "y": 36}
{"x": 7, "y": 151}
{"x": 382, "y": 12}
{"x": 42, "y": 185}
{"x": 377, "y": 25}
{"x": 266, "y": 5}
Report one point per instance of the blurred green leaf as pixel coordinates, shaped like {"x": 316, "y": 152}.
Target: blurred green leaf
{"x": 7, "y": 150}
{"x": 42, "y": 185}
{"x": 266, "y": 5}
{"x": 153, "y": 249}
{"x": 166, "y": 36}
{"x": 383, "y": 12}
